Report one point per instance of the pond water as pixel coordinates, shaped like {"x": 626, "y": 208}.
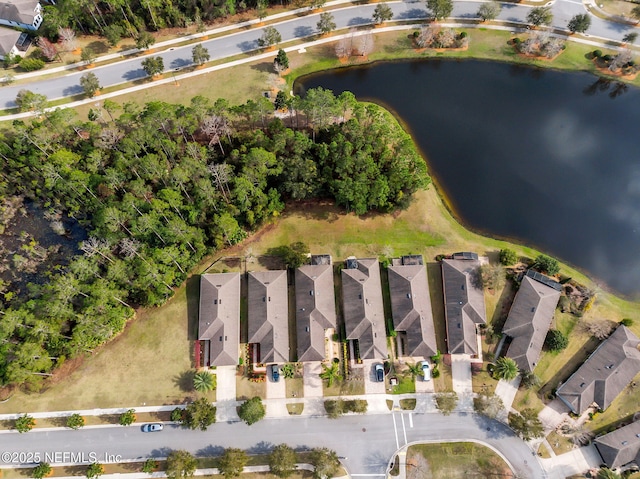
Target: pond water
{"x": 550, "y": 159}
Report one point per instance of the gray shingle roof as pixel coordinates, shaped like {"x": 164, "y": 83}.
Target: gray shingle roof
{"x": 8, "y": 39}
{"x": 411, "y": 308}
{"x": 529, "y": 320}
{"x": 363, "y": 309}
{"x": 268, "y": 314}
{"x": 604, "y": 374}
{"x": 464, "y": 303}
{"x": 219, "y": 317}
{"x": 315, "y": 309}
{"x": 21, "y": 11}
{"x": 621, "y": 446}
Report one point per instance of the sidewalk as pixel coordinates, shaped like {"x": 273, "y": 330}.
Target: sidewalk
{"x": 175, "y": 41}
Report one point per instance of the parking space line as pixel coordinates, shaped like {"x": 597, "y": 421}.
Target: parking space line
{"x": 395, "y": 428}
{"x": 404, "y": 429}
{"x": 411, "y": 419}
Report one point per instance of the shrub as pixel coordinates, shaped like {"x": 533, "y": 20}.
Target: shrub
{"x": 25, "y": 423}
{"x": 607, "y": 58}
{"x": 416, "y": 34}
{"x": 517, "y": 41}
{"x": 435, "y": 373}
{"x": 555, "y": 340}
{"x": 177, "y": 414}
{"x": 546, "y": 264}
{"x": 75, "y": 421}
{"x": 462, "y": 35}
{"x": 627, "y": 322}
{"x": 597, "y": 53}
{"x": 31, "y": 64}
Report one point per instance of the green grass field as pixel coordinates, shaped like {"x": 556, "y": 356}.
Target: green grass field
{"x": 454, "y": 460}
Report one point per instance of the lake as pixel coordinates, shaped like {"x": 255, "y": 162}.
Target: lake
{"x": 550, "y": 159}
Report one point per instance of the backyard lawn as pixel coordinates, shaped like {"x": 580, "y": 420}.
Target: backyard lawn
{"x": 454, "y": 460}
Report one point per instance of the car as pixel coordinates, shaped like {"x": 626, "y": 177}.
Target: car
{"x": 153, "y": 427}
{"x": 379, "y": 370}
{"x": 275, "y": 373}
{"x": 426, "y": 370}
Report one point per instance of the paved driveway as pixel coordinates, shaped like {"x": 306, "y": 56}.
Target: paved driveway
{"x": 371, "y": 386}
{"x": 275, "y": 390}
{"x": 461, "y": 374}
{"x": 226, "y": 393}
{"x": 311, "y": 379}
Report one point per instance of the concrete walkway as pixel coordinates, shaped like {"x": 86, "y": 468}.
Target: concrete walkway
{"x": 226, "y": 394}
{"x": 312, "y": 384}
{"x": 572, "y": 463}
{"x": 507, "y": 391}
{"x": 462, "y": 383}
{"x": 553, "y": 414}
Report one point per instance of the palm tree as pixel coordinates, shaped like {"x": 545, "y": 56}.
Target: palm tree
{"x": 203, "y": 382}
{"x": 414, "y": 369}
{"x": 606, "y": 473}
{"x": 330, "y": 373}
{"x": 505, "y": 368}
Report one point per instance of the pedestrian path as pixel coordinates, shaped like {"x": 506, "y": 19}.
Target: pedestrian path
{"x": 507, "y": 390}
{"x": 462, "y": 382}
{"x": 572, "y": 463}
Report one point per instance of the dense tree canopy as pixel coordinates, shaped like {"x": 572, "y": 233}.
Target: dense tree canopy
{"x": 158, "y": 187}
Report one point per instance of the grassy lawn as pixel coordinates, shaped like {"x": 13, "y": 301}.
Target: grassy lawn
{"x": 294, "y": 387}
{"x": 454, "y": 460}
{"x": 408, "y": 404}
{"x": 295, "y": 409}
{"x": 560, "y": 444}
{"x": 246, "y": 389}
{"x": 350, "y": 387}
{"x": 543, "y": 451}
{"x": 406, "y": 384}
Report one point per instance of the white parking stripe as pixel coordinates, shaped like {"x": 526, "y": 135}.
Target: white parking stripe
{"x": 395, "y": 428}
{"x": 404, "y": 429}
{"x": 411, "y": 419}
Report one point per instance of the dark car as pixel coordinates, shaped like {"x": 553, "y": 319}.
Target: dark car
{"x": 379, "y": 370}
{"x": 153, "y": 427}
{"x": 275, "y": 373}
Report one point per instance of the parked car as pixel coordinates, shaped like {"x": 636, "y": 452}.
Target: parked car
{"x": 426, "y": 370}
{"x": 379, "y": 370}
{"x": 153, "y": 427}
{"x": 275, "y": 373}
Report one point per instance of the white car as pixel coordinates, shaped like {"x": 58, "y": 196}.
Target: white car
{"x": 426, "y": 370}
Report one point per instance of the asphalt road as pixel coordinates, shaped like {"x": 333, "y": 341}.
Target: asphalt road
{"x": 301, "y": 27}
{"x": 367, "y": 442}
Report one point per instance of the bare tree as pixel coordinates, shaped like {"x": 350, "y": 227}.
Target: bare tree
{"x": 599, "y": 328}
{"x": 552, "y": 47}
{"x": 221, "y": 173}
{"x": 343, "y": 48}
{"x": 214, "y": 127}
{"x": 363, "y": 44}
{"x": 94, "y": 246}
{"x": 446, "y": 38}
{"x": 426, "y": 36}
{"x": 68, "y": 39}
{"x": 620, "y": 60}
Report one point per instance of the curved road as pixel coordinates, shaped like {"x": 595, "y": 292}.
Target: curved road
{"x": 368, "y": 442}
{"x": 297, "y": 28}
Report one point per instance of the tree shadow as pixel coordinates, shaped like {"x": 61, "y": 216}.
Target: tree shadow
{"x": 272, "y": 260}
{"x": 72, "y": 90}
{"x": 131, "y": 466}
{"x": 502, "y": 306}
{"x": 303, "y": 31}
{"x": 98, "y": 47}
{"x": 492, "y": 427}
{"x": 210, "y": 451}
{"x": 185, "y": 380}
{"x": 109, "y": 418}
{"x": 161, "y": 452}
{"x": 263, "y": 447}
{"x": 58, "y": 421}
{"x": 193, "y": 303}
{"x": 264, "y": 67}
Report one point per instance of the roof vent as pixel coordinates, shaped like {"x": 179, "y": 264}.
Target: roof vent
{"x": 215, "y": 301}
{"x": 533, "y": 310}
{"x": 582, "y": 385}
{"x": 624, "y": 443}
{"x": 409, "y": 295}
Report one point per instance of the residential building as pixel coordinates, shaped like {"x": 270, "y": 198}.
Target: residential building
{"x": 604, "y": 374}
{"x": 363, "y": 308}
{"x": 219, "y": 318}
{"x": 315, "y": 310}
{"x": 268, "y": 316}
{"x": 21, "y": 13}
{"x": 620, "y": 447}
{"x": 8, "y": 42}
{"x": 464, "y": 302}
{"x": 411, "y": 308}
{"x": 530, "y": 318}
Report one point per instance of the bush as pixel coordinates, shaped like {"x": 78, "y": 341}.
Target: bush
{"x": 435, "y": 373}
{"x": 517, "y": 41}
{"x": 555, "y": 340}
{"x": 627, "y": 322}
{"x": 607, "y": 58}
{"x": 25, "y": 423}
{"x": 462, "y": 35}
{"x": 546, "y": 264}
{"x": 177, "y": 414}
{"x": 597, "y": 53}
{"x": 31, "y": 64}
{"x": 416, "y": 34}
{"x": 75, "y": 421}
